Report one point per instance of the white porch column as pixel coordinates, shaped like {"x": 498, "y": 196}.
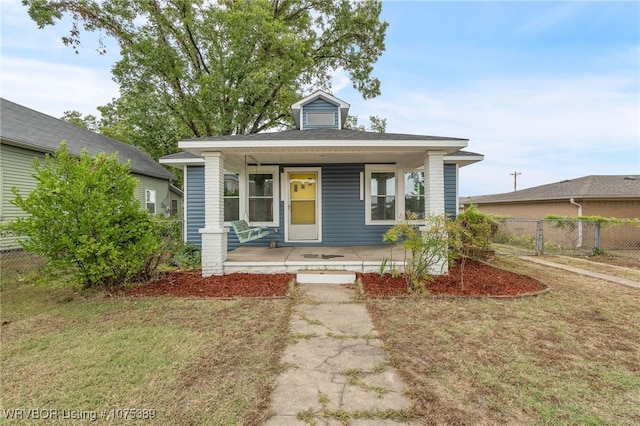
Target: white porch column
{"x": 214, "y": 236}
{"x": 434, "y": 201}
{"x": 434, "y": 183}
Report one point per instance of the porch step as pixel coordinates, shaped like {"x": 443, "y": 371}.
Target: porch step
{"x": 325, "y": 277}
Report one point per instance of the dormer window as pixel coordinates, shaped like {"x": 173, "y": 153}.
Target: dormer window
{"x": 320, "y": 110}
{"x": 321, "y": 118}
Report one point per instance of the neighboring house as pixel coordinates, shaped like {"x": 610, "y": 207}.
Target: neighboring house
{"x": 176, "y": 206}
{"x": 596, "y": 195}
{"x": 26, "y": 134}
{"x": 316, "y": 185}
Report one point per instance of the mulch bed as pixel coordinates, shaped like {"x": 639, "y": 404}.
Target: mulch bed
{"x": 480, "y": 279}
{"x": 192, "y": 284}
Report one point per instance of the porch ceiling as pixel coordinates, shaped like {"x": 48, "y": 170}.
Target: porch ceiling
{"x": 407, "y": 154}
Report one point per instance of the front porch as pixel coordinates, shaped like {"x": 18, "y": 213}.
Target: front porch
{"x": 295, "y": 259}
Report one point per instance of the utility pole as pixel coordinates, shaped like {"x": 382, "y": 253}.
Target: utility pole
{"x": 515, "y": 180}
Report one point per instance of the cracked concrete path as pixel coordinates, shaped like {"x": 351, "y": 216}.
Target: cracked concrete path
{"x": 336, "y": 369}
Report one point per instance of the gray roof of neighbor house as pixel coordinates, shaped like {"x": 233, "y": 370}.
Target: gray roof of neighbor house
{"x": 593, "y": 186}
{"x": 26, "y": 128}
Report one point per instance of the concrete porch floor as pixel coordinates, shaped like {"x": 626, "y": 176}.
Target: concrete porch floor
{"x": 295, "y": 259}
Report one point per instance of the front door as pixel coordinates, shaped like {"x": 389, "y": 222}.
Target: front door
{"x": 303, "y": 218}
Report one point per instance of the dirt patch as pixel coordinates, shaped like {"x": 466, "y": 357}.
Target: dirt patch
{"x": 625, "y": 261}
{"x": 192, "y": 284}
{"x": 480, "y": 279}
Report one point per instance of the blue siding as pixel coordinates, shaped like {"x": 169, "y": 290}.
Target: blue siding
{"x": 320, "y": 105}
{"x": 343, "y": 213}
{"x": 195, "y": 204}
{"x": 450, "y": 190}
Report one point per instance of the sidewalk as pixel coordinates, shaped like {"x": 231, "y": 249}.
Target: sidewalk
{"x": 336, "y": 368}
{"x": 581, "y": 271}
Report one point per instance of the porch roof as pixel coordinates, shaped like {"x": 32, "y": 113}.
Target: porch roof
{"x": 320, "y": 146}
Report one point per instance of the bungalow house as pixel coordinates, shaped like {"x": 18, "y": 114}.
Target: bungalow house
{"x": 316, "y": 185}
{"x": 595, "y": 195}
{"x": 26, "y": 134}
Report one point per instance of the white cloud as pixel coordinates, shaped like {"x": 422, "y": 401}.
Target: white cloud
{"x": 547, "y": 127}
{"x": 53, "y": 88}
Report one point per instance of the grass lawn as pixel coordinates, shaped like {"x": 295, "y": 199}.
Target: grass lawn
{"x": 190, "y": 361}
{"x": 571, "y": 356}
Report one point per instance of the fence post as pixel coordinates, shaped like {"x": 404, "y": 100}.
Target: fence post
{"x": 539, "y": 242}
{"x": 596, "y": 238}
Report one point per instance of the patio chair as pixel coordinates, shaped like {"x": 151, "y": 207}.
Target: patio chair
{"x": 245, "y": 233}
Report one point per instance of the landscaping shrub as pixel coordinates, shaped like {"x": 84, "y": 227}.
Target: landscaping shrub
{"x": 428, "y": 247}
{"x": 188, "y": 256}
{"x": 470, "y": 233}
{"x": 84, "y": 217}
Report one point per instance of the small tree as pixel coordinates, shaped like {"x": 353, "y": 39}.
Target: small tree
{"x": 469, "y": 234}
{"x": 428, "y": 248}
{"x": 84, "y": 217}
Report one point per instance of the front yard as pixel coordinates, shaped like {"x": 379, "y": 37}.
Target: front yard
{"x": 184, "y": 361}
{"x": 571, "y": 356}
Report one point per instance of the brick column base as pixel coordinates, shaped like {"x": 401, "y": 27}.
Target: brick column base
{"x": 214, "y": 251}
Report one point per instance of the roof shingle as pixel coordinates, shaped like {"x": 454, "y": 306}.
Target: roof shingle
{"x": 40, "y": 132}
{"x": 592, "y": 186}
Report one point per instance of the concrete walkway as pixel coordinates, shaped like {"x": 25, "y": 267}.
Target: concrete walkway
{"x": 581, "y": 271}
{"x": 336, "y": 366}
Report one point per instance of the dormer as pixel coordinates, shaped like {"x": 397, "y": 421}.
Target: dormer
{"x": 320, "y": 110}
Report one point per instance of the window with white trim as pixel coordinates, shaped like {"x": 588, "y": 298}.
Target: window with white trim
{"x": 414, "y": 195}
{"x": 252, "y": 196}
{"x": 393, "y": 194}
{"x": 231, "y": 196}
{"x": 262, "y": 196}
{"x": 380, "y": 194}
{"x": 150, "y": 200}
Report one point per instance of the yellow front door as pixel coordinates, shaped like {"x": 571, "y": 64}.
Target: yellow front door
{"x": 303, "y": 206}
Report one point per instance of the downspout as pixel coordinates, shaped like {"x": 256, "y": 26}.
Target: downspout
{"x": 572, "y": 201}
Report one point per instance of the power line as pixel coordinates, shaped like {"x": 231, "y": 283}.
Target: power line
{"x": 515, "y": 180}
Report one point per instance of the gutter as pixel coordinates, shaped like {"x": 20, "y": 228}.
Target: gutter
{"x": 572, "y": 201}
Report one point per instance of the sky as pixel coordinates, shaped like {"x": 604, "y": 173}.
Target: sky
{"x": 547, "y": 90}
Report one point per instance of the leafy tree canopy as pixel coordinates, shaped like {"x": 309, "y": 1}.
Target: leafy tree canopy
{"x": 194, "y": 68}
{"x": 377, "y": 124}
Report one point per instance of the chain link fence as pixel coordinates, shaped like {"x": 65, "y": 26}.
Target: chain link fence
{"x": 15, "y": 261}
{"x": 566, "y": 236}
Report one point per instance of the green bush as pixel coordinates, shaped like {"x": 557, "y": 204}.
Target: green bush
{"x": 84, "y": 217}
{"x": 187, "y": 256}
{"x": 469, "y": 234}
{"x": 428, "y": 248}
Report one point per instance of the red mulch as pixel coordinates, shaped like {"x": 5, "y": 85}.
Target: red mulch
{"x": 480, "y": 279}
{"x": 192, "y": 284}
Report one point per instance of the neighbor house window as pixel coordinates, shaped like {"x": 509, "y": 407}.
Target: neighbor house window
{"x": 150, "y": 200}
{"x": 414, "y": 195}
{"x": 231, "y": 197}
